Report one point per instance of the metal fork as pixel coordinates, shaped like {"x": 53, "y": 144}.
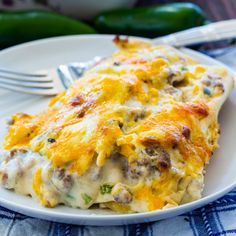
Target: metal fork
{"x": 47, "y": 83}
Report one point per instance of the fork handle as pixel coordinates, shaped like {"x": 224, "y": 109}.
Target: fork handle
{"x": 202, "y": 34}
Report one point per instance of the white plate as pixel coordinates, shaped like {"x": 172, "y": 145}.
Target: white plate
{"x": 220, "y": 176}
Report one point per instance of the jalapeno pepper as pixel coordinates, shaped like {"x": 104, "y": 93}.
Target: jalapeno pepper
{"x": 150, "y": 21}
{"x": 22, "y": 26}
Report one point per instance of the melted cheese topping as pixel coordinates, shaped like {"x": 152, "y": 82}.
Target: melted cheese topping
{"x": 133, "y": 134}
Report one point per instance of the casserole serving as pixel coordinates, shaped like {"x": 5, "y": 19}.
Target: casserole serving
{"x": 133, "y": 135}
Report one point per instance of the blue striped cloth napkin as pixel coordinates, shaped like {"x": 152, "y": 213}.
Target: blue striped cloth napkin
{"x": 215, "y": 219}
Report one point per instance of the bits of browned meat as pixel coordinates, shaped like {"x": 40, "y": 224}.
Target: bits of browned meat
{"x": 85, "y": 107}
{"x": 139, "y": 115}
{"x": 116, "y": 63}
{"x": 206, "y": 82}
{"x": 150, "y": 141}
{"x": 94, "y": 173}
{"x": 186, "y": 132}
{"x": 174, "y": 79}
{"x": 121, "y": 42}
{"x": 136, "y": 170}
{"x": 171, "y": 90}
{"x": 10, "y": 122}
{"x": 219, "y": 87}
{"x": 62, "y": 180}
{"x": 9, "y": 182}
{"x": 13, "y": 152}
{"x": 77, "y": 100}
{"x": 4, "y": 179}
{"x": 159, "y": 156}
{"x": 152, "y": 160}
{"x": 121, "y": 194}
{"x": 81, "y": 114}
{"x": 214, "y": 83}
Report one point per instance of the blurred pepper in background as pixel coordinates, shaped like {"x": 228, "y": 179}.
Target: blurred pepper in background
{"x": 22, "y": 26}
{"x": 151, "y": 21}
